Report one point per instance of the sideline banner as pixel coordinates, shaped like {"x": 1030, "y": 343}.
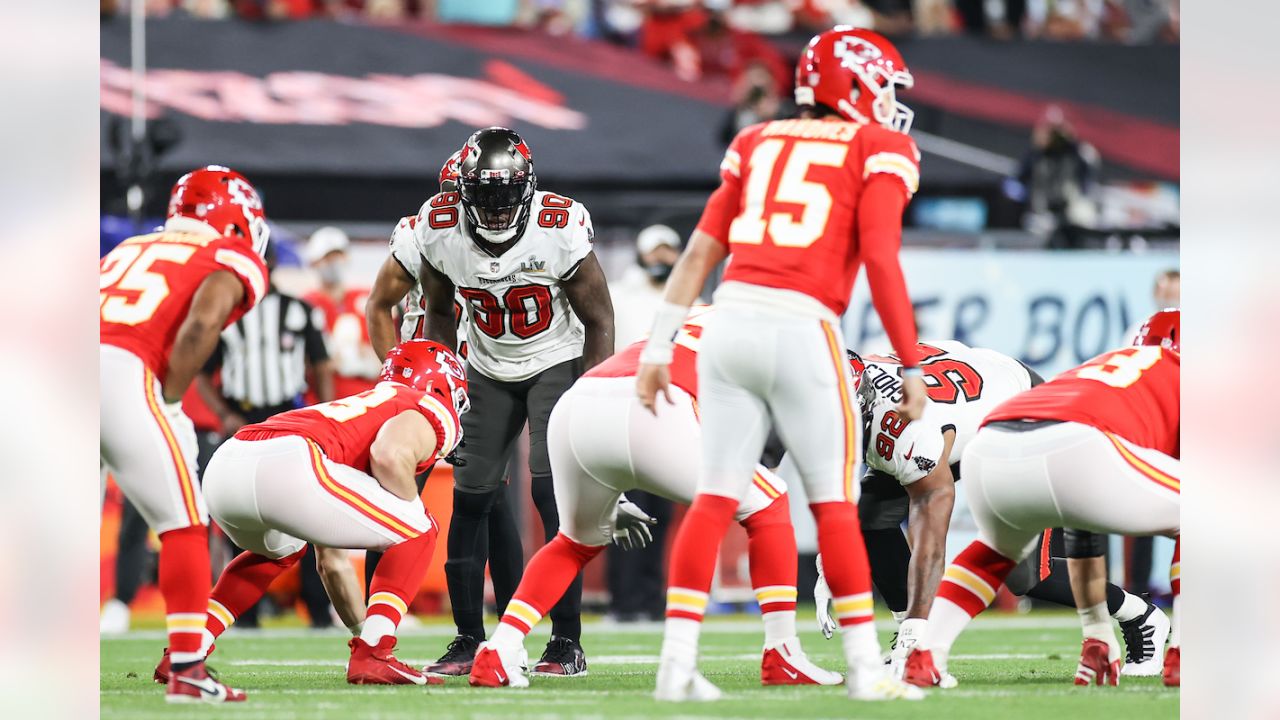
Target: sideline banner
{"x": 1051, "y": 310}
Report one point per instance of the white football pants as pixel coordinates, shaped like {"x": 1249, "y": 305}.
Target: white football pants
{"x": 603, "y": 443}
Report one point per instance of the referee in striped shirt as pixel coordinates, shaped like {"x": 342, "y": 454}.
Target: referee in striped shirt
{"x": 264, "y": 360}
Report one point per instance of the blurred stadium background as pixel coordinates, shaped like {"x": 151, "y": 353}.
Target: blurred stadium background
{"x": 1046, "y": 224}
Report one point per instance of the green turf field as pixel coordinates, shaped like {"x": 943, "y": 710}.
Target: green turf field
{"x": 1008, "y": 666}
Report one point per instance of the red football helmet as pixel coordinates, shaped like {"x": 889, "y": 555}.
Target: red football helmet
{"x": 431, "y": 367}
{"x": 1163, "y": 329}
{"x": 221, "y": 198}
{"x": 856, "y": 73}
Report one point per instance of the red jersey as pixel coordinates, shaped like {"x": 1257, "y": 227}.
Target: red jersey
{"x": 789, "y": 210}
{"x": 356, "y": 365}
{"x": 684, "y": 360}
{"x": 148, "y": 281}
{"x": 345, "y": 429}
{"x": 1133, "y": 393}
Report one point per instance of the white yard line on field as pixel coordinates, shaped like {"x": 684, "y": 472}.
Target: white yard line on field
{"x": 611, "y": 659}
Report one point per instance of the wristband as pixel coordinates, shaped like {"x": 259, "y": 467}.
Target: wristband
{"x": 912, "y": 372}
{"x": 660, "y": 347}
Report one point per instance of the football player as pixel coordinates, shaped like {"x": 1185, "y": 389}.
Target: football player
{"x": 539, "y": 310}
{"x": 341, "y": 475}
{"x": 1094, "y": 450}
{"x": 801, "y": 206}
{"x": 164, "y": 299}
{"x": 602, "y": 444}
{"x": 911, "y": 471}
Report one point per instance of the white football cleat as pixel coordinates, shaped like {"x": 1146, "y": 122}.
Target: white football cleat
{"x": 873, "y": 681}
{"x": 786, "y": 664}
{"x": 678, "y": 682}
{"x": 1144, "y": 639}
{"x": 115, "y": 618}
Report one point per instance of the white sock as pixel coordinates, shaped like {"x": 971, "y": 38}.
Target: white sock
{"x": 779, "y": 627}
{"x": 206, "y": 643}
{"x": 680, "y": 640}
{"x": 860, "y": 643}
{"x": 1096, "y": 623}
{"x": 377, "y": 627}
{"x": 507, "y": 638}
{"x": 899, "y": 615}
{"x": 946, "y": 621}
{"x": 1175, "y": 631}
{"x": 1131, "y": 609}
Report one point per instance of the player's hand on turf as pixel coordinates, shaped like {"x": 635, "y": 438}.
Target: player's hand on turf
{"x": 631, "y": 527}
{"x": 914, "y": 394}
{"x": 651, "y": 380}
{"x": 822, "y": 596}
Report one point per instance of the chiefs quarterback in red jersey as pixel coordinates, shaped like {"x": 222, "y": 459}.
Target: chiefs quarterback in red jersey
{"x": 602, "y": 444}
{"x": 164, "y": 298}
{"x": 802, "y": 205}
{"x": 341, "y": 475}
{"x": 1095, "y": 450}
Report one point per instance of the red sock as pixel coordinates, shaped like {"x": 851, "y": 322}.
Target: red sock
{"x": 399, "y": 575}
{"x": 972, "y": 579}
{"x": 844, "y": 558}
{"x": 771, "y": 551}
{"x": 184, "y": 583}
{"x": 242, "y": 583}
{"x": 549, "y": 573}
{"x": 1175, "y": 570}
{"x": 693, "y": 558}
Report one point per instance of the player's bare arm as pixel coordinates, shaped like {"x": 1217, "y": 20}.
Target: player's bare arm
{"x": 932, "y": 498}
{"x": 880, "y": 231}
{"x": 697, "y": 261}
{"x": 403, "y": 442}
{"x": 339, "y": 579}
{"x": 438, "y": 291}
{"x": 212, "y": 304}
{"x": 390, "y": 287}
{"x": 588, "y": 294}
{"x": 230, "y": 419}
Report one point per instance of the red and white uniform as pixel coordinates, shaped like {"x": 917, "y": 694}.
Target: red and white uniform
{"x": 304, "y": 476}
{"x": 602, "y": 443}
{"x": 146, "y": 288}
{"x": 1096, "y": 448}
{"x": 795, "y": 199}
{"x": 355, "y": 364}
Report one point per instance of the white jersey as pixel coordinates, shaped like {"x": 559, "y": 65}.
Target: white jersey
{"x": 964, "y": 385}
{"x": 520, "y": 319}
{"x": 413, "y": 323}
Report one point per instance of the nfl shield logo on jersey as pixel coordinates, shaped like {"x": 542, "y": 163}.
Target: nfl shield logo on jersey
{"x": 493, "y": 266}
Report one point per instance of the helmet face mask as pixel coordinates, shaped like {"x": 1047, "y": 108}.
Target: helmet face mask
{"x": 496, "y": 183}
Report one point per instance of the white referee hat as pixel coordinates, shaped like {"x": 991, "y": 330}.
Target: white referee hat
{"x": 324, "y": 241}
{"x": 654, "y": 236}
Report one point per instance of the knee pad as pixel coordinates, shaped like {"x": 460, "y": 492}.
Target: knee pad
{"x": 1082, "y": 544}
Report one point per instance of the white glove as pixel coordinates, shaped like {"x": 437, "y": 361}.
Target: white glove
{"x": 631, "y": 526}
{"x": 910, "y": 633}
{"x": 822, "y": 596}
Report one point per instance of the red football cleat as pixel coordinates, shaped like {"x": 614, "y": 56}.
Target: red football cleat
{"x": 161, "y": 673}
{"x": 194, "y": 684}
{"x": 786, "y": 664}
{"x": 375, "y": 665}
{"x": 489, "y": 670}
{"x": 1096, "y": 667}
{"x": 1173, "y": 667}
{"x": 920, "y": 669}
